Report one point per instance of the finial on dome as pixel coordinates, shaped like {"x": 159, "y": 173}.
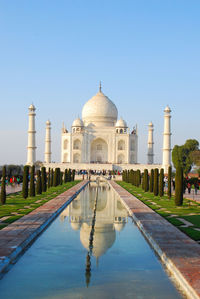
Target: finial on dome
{"x": 100, "y": 86}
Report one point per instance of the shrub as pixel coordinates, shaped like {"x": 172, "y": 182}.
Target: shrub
{"x": 151, "y": 181}
{"x": 146, "y": 180}
{"x": 73, "y": 174}
{"x": 52, "y": 175}
{"x": 56, "y": 179}
{"x": 61, "y": 178}
{"x": 138, "y": 183}
{"x": 169, "y": 189}
{"x": 69, "y": 175}
{"x": 44, "y": 179}
{"x": 49, "y": 178}
{"x": 155, "y": 184}
{"x": 65, "y": 176}
{"x": 39, "y": 183}
{"x": 161, "y": 182}
{"x": 32, "y": 182}
{"x": 179, "y": 186}
{"x": 25, "y": 182}
{"x": 3, "y": 186}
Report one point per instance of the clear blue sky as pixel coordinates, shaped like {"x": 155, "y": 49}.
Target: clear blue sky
{"x": 53, "y": 53}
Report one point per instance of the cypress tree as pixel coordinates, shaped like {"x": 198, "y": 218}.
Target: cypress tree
{"x": 32, "y": 182}
{"x": 73, "y": 174}
{"x": 161, "y": 182}
{"x": 151, "y": 181}
{"x": 39, "y": 183}
{"x": 52, "y": 175}
{"x": 179, "y": 186}
{"x": 61, "y": 178}
{"x": 69, "y": 175}
{"x": 49, "y": 178}
{"x": 143, "y": 180}
{"x": 155, "y": 184}
{"x": 146, "y": 180}
{"x": 25, "y": 182}
{"x": 169, "y": 189}
{"x": 56, "y": 177}
{"x": 65, "y": 176}
{"x": 44, "y": 179}
{"x": 138, "y": 178}
{"x": 3, "y": 186}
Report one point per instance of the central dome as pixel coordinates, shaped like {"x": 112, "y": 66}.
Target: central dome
{"x": 99, "y": 111}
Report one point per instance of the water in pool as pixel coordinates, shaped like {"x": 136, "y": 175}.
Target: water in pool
{"x": 92, "y": 250}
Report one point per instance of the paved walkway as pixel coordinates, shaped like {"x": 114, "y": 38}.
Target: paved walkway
{"x": 12, "y": 189}
{"x": 17, "y": 236}
{"x": 179, "y": 253}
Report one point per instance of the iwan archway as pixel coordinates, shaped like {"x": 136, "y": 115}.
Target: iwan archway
{"x": 99, "y": 151}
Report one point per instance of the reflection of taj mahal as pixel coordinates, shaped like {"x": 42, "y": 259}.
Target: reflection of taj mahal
{"x": 111, "y": 216}
{"x": 100, "y": 140}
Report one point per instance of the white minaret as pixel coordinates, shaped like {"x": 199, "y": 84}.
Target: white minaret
{"x": 150, "y": 152}
{"x": 167, "y": 140}
{"x": 31, "y": 149}
{"x": 47, "y": 153}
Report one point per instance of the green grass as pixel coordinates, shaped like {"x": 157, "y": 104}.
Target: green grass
{"x": 16, "y": 203}
{"x": 188, "y": 207}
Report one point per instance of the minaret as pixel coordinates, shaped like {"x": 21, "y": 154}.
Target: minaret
{"x": 150, "y": 152}
{"x": 47, "y": 154}
{"x": 167, "y": 140}
{"x": 31, "y": 149}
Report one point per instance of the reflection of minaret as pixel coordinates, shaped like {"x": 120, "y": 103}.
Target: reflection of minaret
{"x": 31, "y": 149}
{"x": 167, "y": 140}
{"x": 150, "y": 153}
{"x": 47, "y": 154}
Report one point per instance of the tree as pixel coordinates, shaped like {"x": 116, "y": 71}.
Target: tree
{"x": 56, "y": 179}
{"x": 3, "y": 186}
{"x": 52, "y": 175}
{"x": 73, "y": 174}
{"x": 32, "y": 182}
{"x": 69, "y": 175}
{"x": 44, "y": 179}
{"x": 161, "y": 182}
{"x": 49, "y": 178}
{"x": 155, "y": 184}
{"x": 181, "y": 155}
{"x": 39, "y": 183}
{"x": 179, "y": 186}
{"x": 61, "y": 178}
{"x": 25, "y": 182}
{"x": 151, "y": 181}
{"x": 138, "y": 178}
{"x": 169, "y": 189}
{"x": 65, "y": 176}
{"x": 146, "y": 180}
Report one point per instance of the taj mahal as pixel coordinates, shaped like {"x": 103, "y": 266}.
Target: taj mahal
{"x": 100, "y": 140}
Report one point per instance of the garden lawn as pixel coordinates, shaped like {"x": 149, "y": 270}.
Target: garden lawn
{"x": 16, "y": 206}
{"x": 189, "y": 211}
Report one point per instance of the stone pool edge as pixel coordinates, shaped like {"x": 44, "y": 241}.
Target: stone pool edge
{"x": 178, "y": 266}
{"x": 8, "y": 235}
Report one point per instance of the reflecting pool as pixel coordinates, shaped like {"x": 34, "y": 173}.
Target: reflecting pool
{"x": 92, "y": 250}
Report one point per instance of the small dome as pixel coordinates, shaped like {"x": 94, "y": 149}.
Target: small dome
{"x": 48, "y": 123}
{"x": 119, "y": 226}
{"x": 121, "y": 123}
{"x": 150, "y": 124}
{"x": 100, "y": 111}
{"x": 77, "y": 123}
{"x": 167, "y": 109}
{"x": 75, "y": 225}
{"x": 32, "y": 107}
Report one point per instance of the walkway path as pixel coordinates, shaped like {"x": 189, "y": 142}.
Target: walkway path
{"x": 179, "y": 253}
{"x": 12, "y": 189}
{"x": 17, "y": 236}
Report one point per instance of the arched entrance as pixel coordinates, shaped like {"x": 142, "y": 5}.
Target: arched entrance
{"x": 99, "y": 151}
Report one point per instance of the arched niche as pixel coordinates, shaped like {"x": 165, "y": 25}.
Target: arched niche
{"x": 121, "y": 159}
{"x": 65, "y": 158}
{"x": 66, "y": 144}
{"x": 77, "y": 144}
{"x": 132, "y": 145}
{"x": 121, "y": 145}
{"x": 76, "y": 158}
{"x": 99, "y": 151}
